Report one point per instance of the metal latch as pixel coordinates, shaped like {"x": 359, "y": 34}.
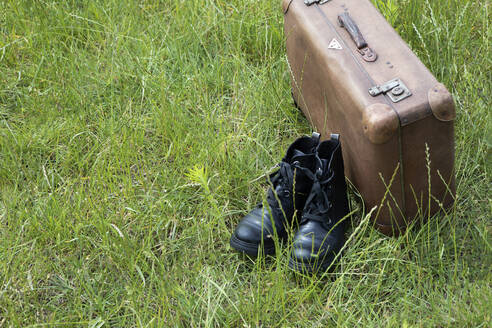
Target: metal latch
{"x": 311, "y": 2}
{"x": 395, "y": 89}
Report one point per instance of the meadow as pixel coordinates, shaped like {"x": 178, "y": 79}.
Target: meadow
{"x": 134, "y": 135}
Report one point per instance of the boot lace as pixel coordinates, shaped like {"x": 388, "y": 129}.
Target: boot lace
{"x": 319, "y": 201}
{"x": 283, "y": 182}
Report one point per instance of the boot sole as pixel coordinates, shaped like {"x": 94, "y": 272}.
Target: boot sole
{"x": 249, "y": 248}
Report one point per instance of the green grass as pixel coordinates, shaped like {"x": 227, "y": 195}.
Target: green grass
{"x": 134, "y": 135}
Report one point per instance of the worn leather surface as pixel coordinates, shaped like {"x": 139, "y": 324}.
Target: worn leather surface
{"x": 380, "y": 123}
{"x": 441, "y": 103}
{"x": 331, "y": 85}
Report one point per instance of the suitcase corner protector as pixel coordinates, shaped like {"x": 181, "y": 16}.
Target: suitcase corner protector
{"x": 441, "y": 103}
{"x": 380, "y": 123}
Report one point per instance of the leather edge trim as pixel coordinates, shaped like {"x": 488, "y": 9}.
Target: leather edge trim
{"x": 441, "y": 103}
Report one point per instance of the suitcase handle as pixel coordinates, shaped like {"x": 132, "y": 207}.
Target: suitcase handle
{"x": 351, "y": 26}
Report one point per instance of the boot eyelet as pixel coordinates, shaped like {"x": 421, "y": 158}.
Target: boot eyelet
{"x": 286, "y": 193}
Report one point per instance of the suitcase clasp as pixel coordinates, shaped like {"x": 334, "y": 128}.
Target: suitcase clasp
{"x": 395, "y": 89}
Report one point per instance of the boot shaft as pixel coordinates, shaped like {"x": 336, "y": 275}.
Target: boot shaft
{"x": 330, "y": 154}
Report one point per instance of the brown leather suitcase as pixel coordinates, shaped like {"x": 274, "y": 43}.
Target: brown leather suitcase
{"x": 352, "y": 74}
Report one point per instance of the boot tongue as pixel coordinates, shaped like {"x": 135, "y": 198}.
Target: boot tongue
{"x": 304, "y": 145}
{"x": 304, "y": 160}
{"x": 325, "y": 163}
{"x": 297, "y": 153}
{"x": 325, "y": 167}
{"x": 327, "y": 150}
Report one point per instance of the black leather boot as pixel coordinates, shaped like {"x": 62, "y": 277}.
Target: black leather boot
{"x": 321, "y": 233}
{"x": 291, "y": 186}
